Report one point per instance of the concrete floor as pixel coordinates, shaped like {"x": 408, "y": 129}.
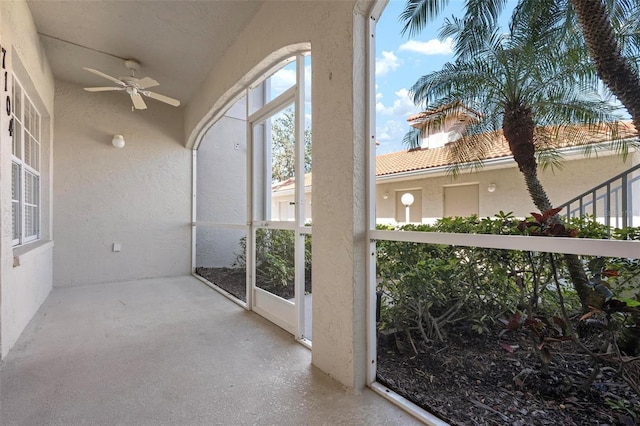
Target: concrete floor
{"x": 169, "y": 352}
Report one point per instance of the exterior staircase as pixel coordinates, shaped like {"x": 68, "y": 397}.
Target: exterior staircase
{"x": 614, "y": 203}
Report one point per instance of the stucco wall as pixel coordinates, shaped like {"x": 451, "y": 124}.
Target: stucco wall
{"x": 24, "y": 287}
{"x": 335, "y": 30}
{"x": 221, "y": 188}
{"x": 577, "y": 176}
{"x": 138, "y": 196}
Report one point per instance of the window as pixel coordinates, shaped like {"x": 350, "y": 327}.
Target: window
{"x": 25, "y": 167}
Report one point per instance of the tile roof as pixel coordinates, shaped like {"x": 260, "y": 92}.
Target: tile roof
{"x": 423, "y": 116}
{"x": 290, "y": 184}
{"x": 423, "y": 159}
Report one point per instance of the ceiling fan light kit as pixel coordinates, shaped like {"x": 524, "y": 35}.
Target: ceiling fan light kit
{"x": 134, "y": 87}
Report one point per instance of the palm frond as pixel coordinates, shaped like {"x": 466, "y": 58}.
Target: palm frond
{"x": 412, "y": 139}
{"x": 549, "y": 159}
{"x": 538, "y": 66}
{"x": 418, "y": 13}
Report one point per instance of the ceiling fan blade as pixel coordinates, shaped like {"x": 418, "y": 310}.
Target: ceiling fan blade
{"x": 138, "y": 102}
{"x": 103, "y": 89}
{"x": 108, "y": 77}
{"x": 161, "y": 98}
{"x": 143, "y": 83}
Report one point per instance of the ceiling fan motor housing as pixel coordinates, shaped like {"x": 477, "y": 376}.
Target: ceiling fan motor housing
{"x": 132, "y": 65}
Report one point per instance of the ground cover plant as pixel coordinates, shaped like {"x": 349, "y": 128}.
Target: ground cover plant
{"x": 275, "y": 268}
{"x": 484, "y": 336}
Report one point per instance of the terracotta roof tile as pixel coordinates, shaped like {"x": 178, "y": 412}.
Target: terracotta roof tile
{"x": 290, "y": 184}
{"x": 425, "y": 115}
{"x": 422, "y": 159}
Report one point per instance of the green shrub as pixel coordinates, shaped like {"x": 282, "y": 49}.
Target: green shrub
{"x": 436, "y": 289}
{"x": 275, "y": 250}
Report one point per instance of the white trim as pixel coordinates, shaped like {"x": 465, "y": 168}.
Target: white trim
{"x": 194, "y": 210}
{"x": 299, "y": 239}
{"x": 255, "y": 76}
{"x": 28, "y": 113}
{"x": 271, "y": 224}
{"x": 574, "y": 152}
{"x": 203, "y": 224}
{"x": 274, "y": 107}
{"x": 370, "y": 260}
{"x": 407, "y": 405}
{"x": 279, "y": 311}
{"x": 250, "y": 246}
{"x": 563, "y": 245}
{"x": 26, "y": 252}
{"x": 222, "y": 292}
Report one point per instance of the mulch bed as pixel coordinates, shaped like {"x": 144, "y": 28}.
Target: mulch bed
{"x": 474, "y": 380}
{"x": 233, "y": 281}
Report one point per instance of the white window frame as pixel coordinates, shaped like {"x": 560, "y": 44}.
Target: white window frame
{"x": 26, "y": 160}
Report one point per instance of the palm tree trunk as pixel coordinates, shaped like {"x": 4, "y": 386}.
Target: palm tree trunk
{"x": 613, "y": 68}
{"x": 574, "y": 265}
{"x": 518, "y": 129}
{"x": 618, "y": 75}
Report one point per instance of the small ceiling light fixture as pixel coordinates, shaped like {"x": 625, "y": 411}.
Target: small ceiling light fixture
{"x": 118, "y": 141}
{"x": 492, "y": 187}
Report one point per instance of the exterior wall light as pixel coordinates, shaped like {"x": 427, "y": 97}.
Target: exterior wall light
{"x": 118, "y": 141}
{"x": 406, "y": 199}
{"x": 491, "y": 187}
{"x": 385, "y": 195}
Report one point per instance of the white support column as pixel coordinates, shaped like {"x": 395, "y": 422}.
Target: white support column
{"x": 340, "y": 227}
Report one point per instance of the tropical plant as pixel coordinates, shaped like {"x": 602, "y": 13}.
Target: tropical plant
{"x": 430, "y": 292}
{"x": 521, "y": 88}
{"x": 610, "y": 31}
{"x": 274, "y": 259}
{"x": 283, "y": 147}
{"x": 597, "y": 20}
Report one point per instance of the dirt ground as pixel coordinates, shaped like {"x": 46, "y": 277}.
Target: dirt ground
{"x": 233, "y": 281}
{"x": 476, "y": 379}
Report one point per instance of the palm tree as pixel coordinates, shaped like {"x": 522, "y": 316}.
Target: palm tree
{"x": 615, "y": 69}
{"x": 522, "y": 87}
{"x": 610, "y": 30}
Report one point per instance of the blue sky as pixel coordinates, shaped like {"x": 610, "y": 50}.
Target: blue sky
{"x": 400, "y": 61}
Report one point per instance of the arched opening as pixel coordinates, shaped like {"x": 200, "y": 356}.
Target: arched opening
{"x": 252, "y": 215}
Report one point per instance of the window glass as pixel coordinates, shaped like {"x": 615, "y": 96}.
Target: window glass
{"x": 281, "y": 81}
{"x": 25, "y": 176}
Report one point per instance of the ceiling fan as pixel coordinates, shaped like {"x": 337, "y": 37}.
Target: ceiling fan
{"x": 135, "y": 87}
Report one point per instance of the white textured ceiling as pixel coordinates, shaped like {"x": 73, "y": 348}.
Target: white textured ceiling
{"x": 177, "y": 42}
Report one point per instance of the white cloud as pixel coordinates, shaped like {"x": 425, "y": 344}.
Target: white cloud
{"x": 388, "y": 62}
{"x": 390, "y": 130}
{"x": 282, "y": 80}
{"x": 389, "y": 135}
{"x": 430, "y": 47}
{"x": 402, "y": 105}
